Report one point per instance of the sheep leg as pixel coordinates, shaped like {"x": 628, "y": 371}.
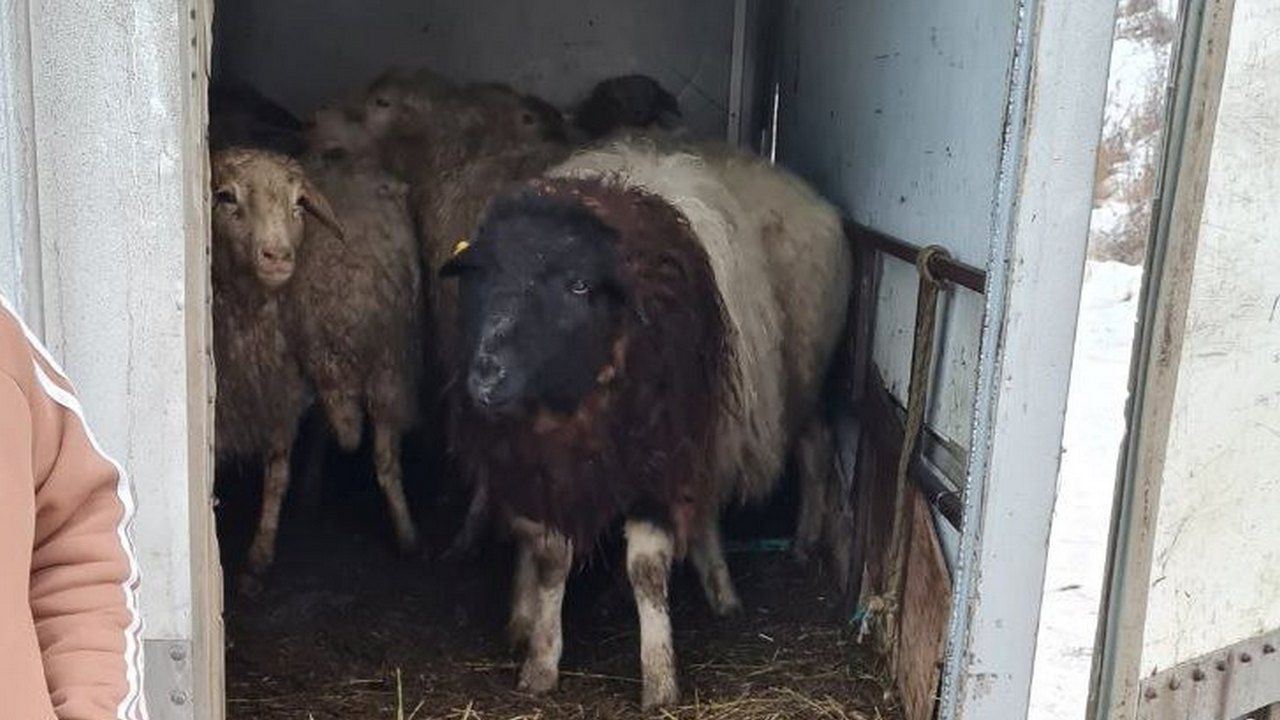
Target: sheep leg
{"x": 346, "y": 418}
{"x": 707, "y": 554}
{"x": 308, "y": 487}
{"x": 386, "y": 457}
{"x": 524, "y": 595}
{"x": 649, "y": 554}
{"x": 275, "y": 484}
{"x": 474, "y": 524}
{"x": 815, "y": 456}
{"x": 552, "y": 557}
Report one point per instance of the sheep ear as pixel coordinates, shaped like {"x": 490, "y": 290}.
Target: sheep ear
{"x": 318, "y": 205}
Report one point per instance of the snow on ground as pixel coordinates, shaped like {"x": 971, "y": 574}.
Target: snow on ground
{"x": 1086, "y": 484}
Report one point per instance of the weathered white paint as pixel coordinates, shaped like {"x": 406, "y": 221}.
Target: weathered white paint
{"x": 306, "y": 52}
{"x": 1217, "y": 541}
{"x": 20, "y": 279}
{"x": 896, "y": 110}
{"x": 1039, "y": 231}
{"x": 112, "y": 211}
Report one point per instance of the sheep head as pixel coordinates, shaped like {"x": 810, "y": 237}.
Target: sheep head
{"x": 401, "y": 100}
{"x": 540, "y": 305}
{"x": 339, "y": 133}
{"x": 260, "y": 200}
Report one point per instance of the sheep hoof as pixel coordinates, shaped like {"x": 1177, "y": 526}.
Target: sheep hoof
{"x": 538, "y": 678}
{"x": 260, "y": 558}
{"x": 802, "y": 552}
{"x": 726, "y": 606}
{"x": 408, "y": 546}
{"x": 659, "y": 693}
{"x": 458, "y": 551}
{"x": 249, "y": 586}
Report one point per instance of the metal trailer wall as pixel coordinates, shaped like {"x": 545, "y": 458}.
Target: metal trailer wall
{"x": 895, "y": 111}
{"x": 307, "y": 52}
{"x": 972, "y": 124}
{"x": 1217, "y": 543}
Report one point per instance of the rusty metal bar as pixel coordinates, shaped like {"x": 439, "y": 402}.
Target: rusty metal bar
{"x": 951, "y": 270}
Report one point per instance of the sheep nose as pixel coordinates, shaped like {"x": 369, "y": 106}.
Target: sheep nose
{"x": 277, "y": 255}
{"x": 487, "y": 375}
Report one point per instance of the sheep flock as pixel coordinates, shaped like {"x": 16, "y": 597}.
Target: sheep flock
{"x": 601, "y": 323}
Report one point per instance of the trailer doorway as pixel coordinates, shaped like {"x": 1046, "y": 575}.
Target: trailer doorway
{"x": 918, "y": 121}
{"x": 848, "y": 99}
{"x": 430, "y": 632}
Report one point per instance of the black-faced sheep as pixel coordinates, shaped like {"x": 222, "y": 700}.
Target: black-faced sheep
{"x": 241, "y": 116}
{"x": 645, "y": 330}
{"x": 259, "y": 203}
{"x": 637, "y": 102}
{"x": 355, "y": 319}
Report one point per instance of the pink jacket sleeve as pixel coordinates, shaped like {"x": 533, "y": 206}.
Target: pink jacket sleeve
{"x": 83, "y": 572}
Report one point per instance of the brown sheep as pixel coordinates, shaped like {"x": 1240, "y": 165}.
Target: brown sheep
{"x": 355, "y": 319}
{"x": 259, "y": 203}
{"x": 645, "y": 332}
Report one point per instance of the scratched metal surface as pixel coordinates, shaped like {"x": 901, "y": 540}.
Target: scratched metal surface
{"x": 305, "y": 52}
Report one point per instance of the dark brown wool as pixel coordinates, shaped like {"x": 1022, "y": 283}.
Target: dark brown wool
{"x": 644, "y": 440}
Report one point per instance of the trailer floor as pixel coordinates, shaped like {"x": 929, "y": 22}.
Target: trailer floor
{"x": 345, "y": 629}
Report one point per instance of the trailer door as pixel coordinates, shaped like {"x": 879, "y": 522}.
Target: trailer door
{"x": 1192, "y": 609}
{"x": 972, "y": 125}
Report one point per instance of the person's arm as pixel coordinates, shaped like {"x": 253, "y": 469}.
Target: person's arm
{"x": 83, "y": 572}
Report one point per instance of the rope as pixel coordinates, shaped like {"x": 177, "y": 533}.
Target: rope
{"x": 887, "y": 605}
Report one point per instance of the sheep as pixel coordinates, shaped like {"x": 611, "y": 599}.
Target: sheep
{"x": 426, "y": 127}
{"x": 354, "y": 315}
{"x": 241, "y": 116}
{"x": 259, "y": 202}
{"x": 637, "y": 102}
{"x": 645, "y": 333}
{"x": 459, "y": 146}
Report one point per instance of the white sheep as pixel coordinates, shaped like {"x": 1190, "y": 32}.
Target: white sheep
{"x": 260, "y": 200}
{"x": 355, "y": 320}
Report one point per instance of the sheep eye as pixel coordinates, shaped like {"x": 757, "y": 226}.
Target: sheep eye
{"x": 382, "y": 102}
{"x": 526, "y": 118}
{"x": 224, "y": 197}
{"x": 579, "y": 287}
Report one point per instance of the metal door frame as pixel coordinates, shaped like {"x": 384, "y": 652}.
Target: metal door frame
{"x": 1039, "y": 231}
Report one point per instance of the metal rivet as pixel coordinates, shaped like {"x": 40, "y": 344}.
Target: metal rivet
{"x": 1197, "y": 675}
{"x": 177, "y": 697}
{"x": 1151, "y": 693}
{"x": 1245, "y": 657}
{"x": 177, "y": 653}
{"x": 1268, "y": 649}
{"x": 1174, "y": 683}
{"x": 1221, "y": 665}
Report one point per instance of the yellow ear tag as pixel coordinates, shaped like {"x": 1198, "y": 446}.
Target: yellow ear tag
{"x": 460, "y": 247}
